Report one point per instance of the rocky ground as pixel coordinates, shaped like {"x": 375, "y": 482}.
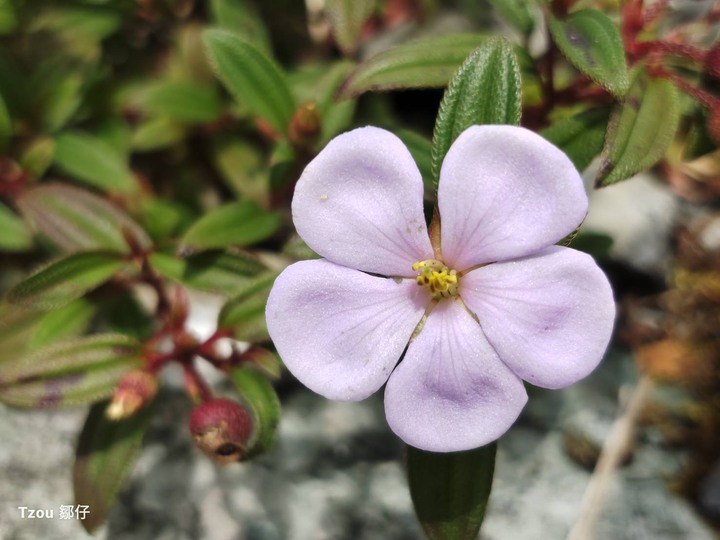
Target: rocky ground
{"x": 336, "y": 473}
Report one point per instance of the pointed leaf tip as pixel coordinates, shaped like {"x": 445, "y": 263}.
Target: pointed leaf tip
{"x": 485, "y": 90}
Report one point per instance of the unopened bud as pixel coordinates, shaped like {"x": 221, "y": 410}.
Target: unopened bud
{"x": 305, "y": 125}
{"x": 136, "y": 389}
{"x": 221, "y": 428}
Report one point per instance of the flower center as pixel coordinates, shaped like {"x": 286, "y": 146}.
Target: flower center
{"x": 441, "y": 280}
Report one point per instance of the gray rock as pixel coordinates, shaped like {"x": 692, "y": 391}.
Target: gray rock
{"x": 336, "y": 473}
{"x": 638, "y": 215}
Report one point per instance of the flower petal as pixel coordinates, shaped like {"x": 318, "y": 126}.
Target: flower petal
{"x": 359, "y": 204}
{"x": 505, "y": 192}
{"x": 548, "y": 316}
{"x": 340, "y": 331}
{"x": 452, "y": 392}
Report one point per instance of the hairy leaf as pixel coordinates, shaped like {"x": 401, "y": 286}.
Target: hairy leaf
{"x": 62, "y": 281}
{"x": 517, "y": 13}
{"x": 105, "y": 455}
{"x": 75, "y": 219}
{"x": 424, "y": 63}
{"x": 217, "y": 272}
{"x": 580, "y": 136}
{"x": 239, "y": 16}
{"x": 69, "y": 373}
{"x": 592, "y": 43}
{"x": 485, "y": 90}
{"x": 251, "y": 77}
{"x": 14, "y": 234}
{"x": 93, "y": 161}
{"x": 59, "y": 324}
{"x": 641, "y": 129}
{"x": 155, "y": 134}
{"x": 182, "y": 101}
{"x": 235, "y": 224}
{"x": 243, "y": 169}
{"x": 245, "y": 312}
{"x": 347, "y": 18}
{"x": 258, "y": 393}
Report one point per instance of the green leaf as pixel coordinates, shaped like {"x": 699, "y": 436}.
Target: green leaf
{"x": 66, "y": 279}
{"x": 316, "y": 85}
{"x": 236, "y": 224}
{"x": 116, "y": 133}
{"x": 156, "y": 134}
{"x": 8, "y": 18}
{"x": 17, "y": 326}
{"x": 641, "y": 129}
{"x": 63, "y": 96}
{"x": 264, "y": 360}
{"x": 517, "y": 13}
{"x": 38, "y": 156}
{"x": 424, "y": 63}
{"x": 68, "y": 321}
{"x": 251, "y": 77}
{"x": 596, "y": 244}
{"x": 91, "y": 23}
{"x": 14, "y": 234}
{"x": 243, "y": 168}
{"x": 239, "y": 16}
{"x": 75, "y": 219}
{"x": 245, "y": 312}
{"x": 347, "y": 18}
{"x": 258, "y": 393}
{"x": 5, "y": 123}
{"x": 592, "y": 43}
{"x": 580, "y": 136}
{"x": 163, "y": 217}
{"x": 218, "y": 272}
{"x": 182, "y": 101}
{"x": 93, "y": 161}
{"x": 105, "y": 455}
{"x": 70, "y": 373}
{"x": 485, "y": 90}
{"x": 450, "y": 491}
{"x": 123, "y": 314}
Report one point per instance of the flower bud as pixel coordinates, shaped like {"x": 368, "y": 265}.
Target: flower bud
{"x": 221, "y": 428}
{"x": 135, "y": 389}
{"x": 306, "y": 124}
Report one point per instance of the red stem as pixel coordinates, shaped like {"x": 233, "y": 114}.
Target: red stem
{"x": 196, "y": 387}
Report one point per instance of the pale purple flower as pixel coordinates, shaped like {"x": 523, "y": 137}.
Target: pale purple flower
{"x": 498, "y": 301}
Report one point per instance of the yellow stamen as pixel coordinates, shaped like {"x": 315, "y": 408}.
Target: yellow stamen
{"x": 441, "y": 280}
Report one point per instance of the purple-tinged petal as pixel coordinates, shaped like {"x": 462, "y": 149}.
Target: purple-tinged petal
{"x": 452, "y": 392}
{"x": 505, "y": 192}
{"x": 359, "y": 204}
{"x": 549, "y": 316}
{"x": 340, "y": 331}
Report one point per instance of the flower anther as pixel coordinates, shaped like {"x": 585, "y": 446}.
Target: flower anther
{"x": 441, "y": 280}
